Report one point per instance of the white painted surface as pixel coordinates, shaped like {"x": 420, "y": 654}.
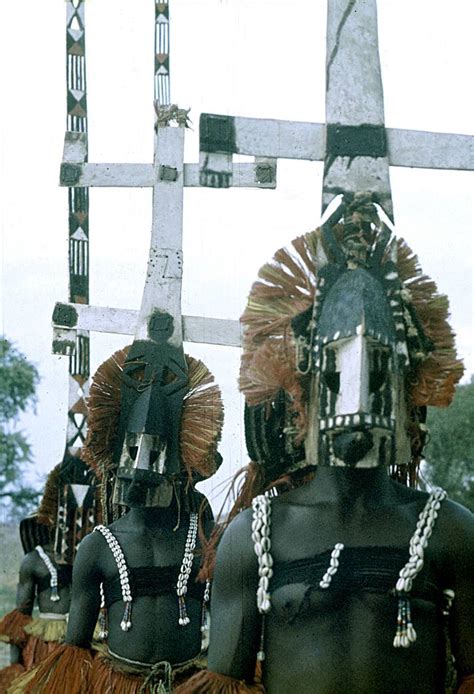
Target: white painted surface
{"x": 212, "y": 331}
{"x": 75, "y": 147}
{"x": 162, "y": 289}
{"x": 353, "y": 77}
{"x": 112, "y": 175}
{"x": 352, "y": 365}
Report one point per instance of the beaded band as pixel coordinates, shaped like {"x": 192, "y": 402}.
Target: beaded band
{"x": 118, "y": 555}
{"x": 406, "y": 634}
{"x": 325, "y": 582}
{"x": 261, "y": 519}
{"x": 103, "y": 629}
{"x": 186, "y": 567}
{"x": 205, "y": 608}
{"x": 53, "y": 581}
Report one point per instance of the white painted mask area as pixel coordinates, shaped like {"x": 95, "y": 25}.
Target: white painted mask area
{"x": 80, "y": 493}
{"x": 353, "y": 367}
{"x": 357, "y": 397}
{"x": 357, "y": 380}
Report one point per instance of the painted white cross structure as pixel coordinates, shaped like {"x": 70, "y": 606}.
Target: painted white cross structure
{"x": 354, "y": 144}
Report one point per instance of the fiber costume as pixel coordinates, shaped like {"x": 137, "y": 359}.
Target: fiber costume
{"x": 130, "y": 446}
{"x": 66, "y": 514}
{"x": 346, "y": 342}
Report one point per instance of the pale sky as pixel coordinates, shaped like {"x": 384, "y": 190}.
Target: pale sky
{"x": 260, "y": 58}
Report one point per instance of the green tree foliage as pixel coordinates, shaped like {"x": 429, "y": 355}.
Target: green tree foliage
{"x": 18, "y": 381}
{"x": 450, "y": 451}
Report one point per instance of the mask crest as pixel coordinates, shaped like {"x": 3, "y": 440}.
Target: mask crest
{"x": 137, "y": 406}
{"x": 367, "y": 330}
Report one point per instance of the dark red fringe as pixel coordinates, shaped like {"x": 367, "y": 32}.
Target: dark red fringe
{"x": 207, "y": 682}
{"x": 36, "y": 650}
{"x": 10, "y": 673}
{"x": 467, "y": 685}
{"x": 12, "y": 627}
{"x": 67, "y": 669}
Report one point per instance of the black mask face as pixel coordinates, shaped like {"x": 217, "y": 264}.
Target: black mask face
{"x": 154, "y": 382}
{"x": 357, "y": 343}
{"x": 357, "y": 372}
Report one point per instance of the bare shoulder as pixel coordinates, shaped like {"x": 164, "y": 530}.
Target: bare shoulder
{"x": 90, "y": 550}
{"x": 456, "y": 524}
{"x": 29, "y": 564}
{"x": 236, "y": 547}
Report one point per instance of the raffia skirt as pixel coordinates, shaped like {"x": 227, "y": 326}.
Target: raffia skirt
{"x": 84, "y": 671}
{"x": 114, "y": 674}
{"x": 36, "y": 637}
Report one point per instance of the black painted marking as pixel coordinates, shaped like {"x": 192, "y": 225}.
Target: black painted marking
{"x": 217, "y": 134}
{"x": 335, "y": 49}
{"x": 355, "y": 140}
{"x": 209, "y": 178}
{"x": 64, "y": 314}
{"x": 62, "y": 346}
{"x": 70, "y": 174}
{"x": 264, "y": 173}
{"x": 168, "y": 173}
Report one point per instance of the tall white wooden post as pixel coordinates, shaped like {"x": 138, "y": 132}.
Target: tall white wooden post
{"x": 356, "y": 156}
{"x": 354, "y": 144}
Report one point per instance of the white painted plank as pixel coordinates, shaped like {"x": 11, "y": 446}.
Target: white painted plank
{"x": 407, "y": 148}
{"x": 162, "y": 290}
{"x": 264, "y": 137}
{"x": 143, "y": 176}
{"x": 354, "y": 92}
{"x": 75, "y": 147}
{"x": 295, "y": 140}
{"x": 425, "y": 150}
{"x": 104, "y": 319}
{"x": 212, "y": 331}
{"x": 117, "y": 176}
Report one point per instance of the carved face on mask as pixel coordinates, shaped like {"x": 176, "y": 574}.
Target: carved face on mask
{"x": 155, "y": 420}
{"x": 154, "y": 382}
{"x": 345, "y": 328}
{"x": 359, "y": 374}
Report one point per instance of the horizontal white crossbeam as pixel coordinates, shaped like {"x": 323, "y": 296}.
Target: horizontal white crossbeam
{"x": 68, "y": 318}
{"x": 85, "y": 175}
{"x": 273, "y": 139}
{"x": 298, "y": 140}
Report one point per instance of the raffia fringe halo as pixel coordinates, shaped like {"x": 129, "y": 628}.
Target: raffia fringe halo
{"x": 201, "y": 420}
{"x": 48, "y": 509}
{"x": 286, "y": 288}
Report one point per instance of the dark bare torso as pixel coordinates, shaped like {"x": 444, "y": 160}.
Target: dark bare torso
{"x": 147, "y": 540}
{"x": 33, "y": 571}
{"x": 326, "y": 641}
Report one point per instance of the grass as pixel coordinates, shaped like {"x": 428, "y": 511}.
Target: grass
{"x": 12, "y": 555}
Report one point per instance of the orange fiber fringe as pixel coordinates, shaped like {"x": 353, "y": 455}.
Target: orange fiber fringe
{"x": 36, "y": 650}
{"x": 466, "y": 685}
{"x": 12, "y": 627}
{"x": 201, "y": 424}
{"x": 107, "y": 676}
{"x": 106, "y": 679}
{"x": 48, "y": 509}
{"x": 207, "y": 682}
{"x": 68, "y": 669}
{"x": 286, "y": 288}
{"x": 9, "y": 674}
